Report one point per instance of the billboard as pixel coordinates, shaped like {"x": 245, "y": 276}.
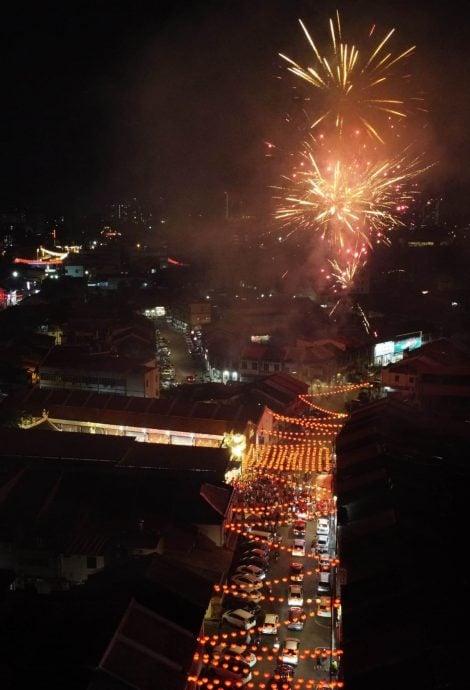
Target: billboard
{"x": 393, "y": 350}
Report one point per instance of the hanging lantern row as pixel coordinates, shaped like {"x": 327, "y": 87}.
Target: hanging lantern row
{"x": 335, "y": 390}
{"x": 230, "y": 638}
{"x": 262, "y": 508}
{"x": 323, "y": 410}
{"x": 293, "y": 458}
{"x": 243, "y": 528}
{"x": 272, "y": 600}
{"x": 299, "y": 683}
{"x": 307, "y": 422}
{"x": 255, "y": 473}
{"x": 314, "y": 436}
{"x": 251, "y": 596}
{"x": 323, "y": 652}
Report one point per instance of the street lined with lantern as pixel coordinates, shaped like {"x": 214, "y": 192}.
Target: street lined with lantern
{"x": 285, "y": 516}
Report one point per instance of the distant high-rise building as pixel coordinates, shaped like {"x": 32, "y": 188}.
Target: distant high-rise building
{"x": 128, "y": 211}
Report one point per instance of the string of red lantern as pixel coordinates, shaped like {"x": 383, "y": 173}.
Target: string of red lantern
{"x": 335, "y": 390}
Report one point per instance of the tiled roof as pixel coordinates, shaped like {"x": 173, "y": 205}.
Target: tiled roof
{"x": 148, "y": 651}
{"x": 69, "y": 357}
{"x": 75, "y": 500}
{"x": 172, "y": 414}
{"x": 217, "y": 496}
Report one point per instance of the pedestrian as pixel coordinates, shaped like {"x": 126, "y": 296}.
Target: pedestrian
{"x": 334, "y": 667}
{"x": 318, "y": 660}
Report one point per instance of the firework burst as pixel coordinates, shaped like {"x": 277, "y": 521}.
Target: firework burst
{"x": 347, "y": 204}
{"x": 355, "y": 86}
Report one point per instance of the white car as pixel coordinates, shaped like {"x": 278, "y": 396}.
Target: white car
{"x": 324, "y": 561}
{"x": 240, "y": 618}
{"x": 251, "y": 570}
{"x": 298, "y": 547}
{"x": 235, "y": 651}
{"x": 295, "y": 595}
{"x": 324, "y": 607}
{"x": 324, "y": 583}
{"x": 290, "y": 651}
{"x": 270, "y": 624}
{"x": 322, "y": 544}
{"x": 246, "y": 582}
{"x": 323, "y": 526}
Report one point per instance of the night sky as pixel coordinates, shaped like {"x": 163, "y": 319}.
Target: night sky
{"x": 175, "y": 100}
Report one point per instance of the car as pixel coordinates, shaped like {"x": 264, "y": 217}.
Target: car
{"x": 298, "y": 547}
{"x": 290, "y": 651}
{"x": 246, "y": 582}
{"x": 244, "y": 595}
{"x": 296, "y": 619}
{"x": 250, "y": 543}
{"x": 270, "y": 625}
{"x": 260, "y": 573}
{"x": 234, "y": 601}
{"x": 261, "y": 536}
{"x": 283, "y": 672}
{"x": 277, "y": 684}
{"x": 254, "y": 560}
{"x": 239, "y": 618}
{"x": 281, "y": 679}
{"x": 323, "y": 526}
{"x": 324, "y": 583}
{"x": 324, "y": 607}
{"x": 295, "y": 595}
{"x": 322, "y": 544}
{"x": 299, "y": 528}
{"x": 302, "y": 510}
{"x": 190, "y": 379}
{"x": 324, "y": 562}
{"x": 231, "y": 668}
{"x": 235, "y": 651}
{"x": 263, "y": 548}
{"x": 296, "y": 572}
{"x": 257, "y": 553}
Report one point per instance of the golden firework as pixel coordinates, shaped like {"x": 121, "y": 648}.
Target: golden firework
{"x": 355, "y": 84}
{"x": 345, "y": 202}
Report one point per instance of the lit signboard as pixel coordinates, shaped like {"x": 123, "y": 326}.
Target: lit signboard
{"x": 384, "y": 348}
{"x": 392, "y": 350}
{"x": 407, "y": 344}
